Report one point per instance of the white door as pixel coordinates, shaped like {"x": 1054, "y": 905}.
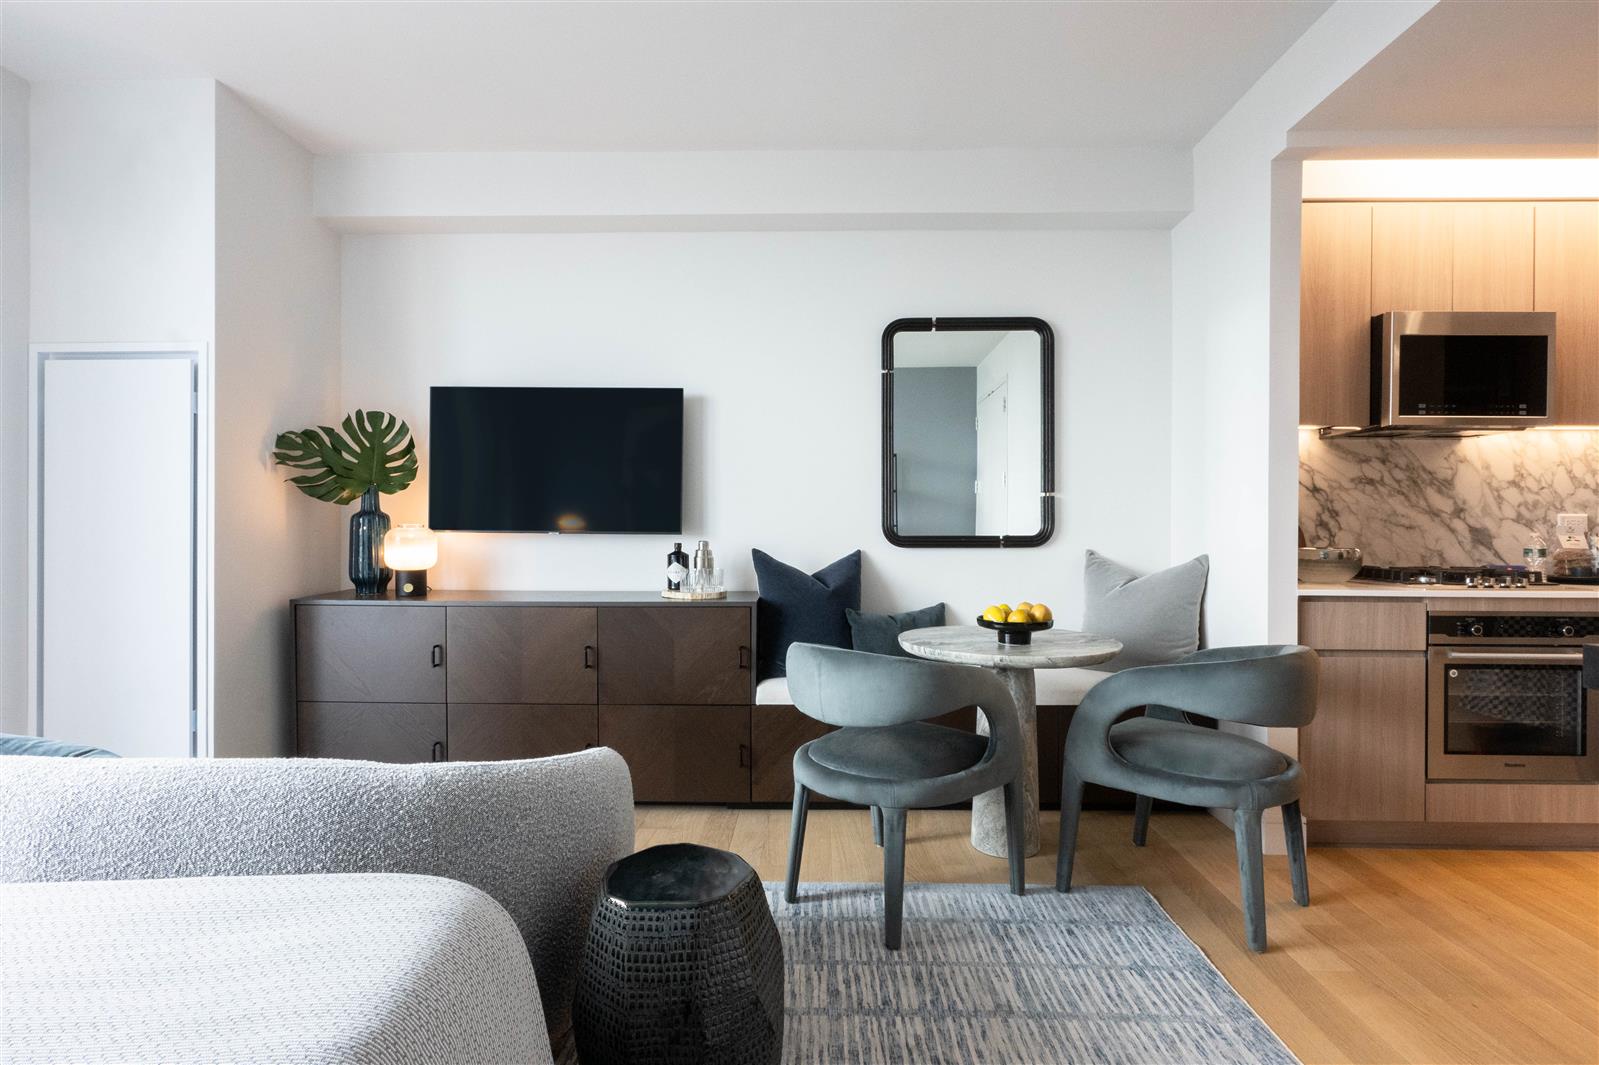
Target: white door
{"x": 115, "y": 551}
{"x": 993, "y": 460}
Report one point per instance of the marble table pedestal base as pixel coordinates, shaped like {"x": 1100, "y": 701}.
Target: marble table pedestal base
{"x": 1014, "y": 665}
{"x": 988, "y": 809}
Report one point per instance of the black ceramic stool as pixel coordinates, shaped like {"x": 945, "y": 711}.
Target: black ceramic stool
{"x": 683, "y": 964}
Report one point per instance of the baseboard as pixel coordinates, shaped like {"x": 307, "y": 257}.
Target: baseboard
{"x": 1452, "y": 834}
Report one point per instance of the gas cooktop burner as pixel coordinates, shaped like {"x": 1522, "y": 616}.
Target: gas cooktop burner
{"x": 1455, "y": 576}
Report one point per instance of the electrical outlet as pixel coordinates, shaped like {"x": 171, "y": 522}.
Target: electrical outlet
{"x": 1571, "y": 530}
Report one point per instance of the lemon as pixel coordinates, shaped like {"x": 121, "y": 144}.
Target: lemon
{"x": 1004, "y": 608}
{"x": 994, "y": 613}
{"x": 1024, "y": 606}
{"x": 1041, "y": 612}
{"x": 1019, "y": 616}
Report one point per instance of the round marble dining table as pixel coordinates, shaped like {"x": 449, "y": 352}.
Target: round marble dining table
{"x": 1051, "y": 649}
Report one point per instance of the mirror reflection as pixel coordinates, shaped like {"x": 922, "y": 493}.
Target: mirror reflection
{"x": 967, "y": 435}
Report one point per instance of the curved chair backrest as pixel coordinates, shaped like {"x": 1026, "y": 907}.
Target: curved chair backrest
{"x": 1273, "y": 685}
{"x": 860, "y": 690}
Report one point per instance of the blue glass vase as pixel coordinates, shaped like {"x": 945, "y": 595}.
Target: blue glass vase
{"x": 368, "y": 526}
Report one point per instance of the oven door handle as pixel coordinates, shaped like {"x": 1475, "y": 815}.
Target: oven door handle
{"x": 1507, "y": 658}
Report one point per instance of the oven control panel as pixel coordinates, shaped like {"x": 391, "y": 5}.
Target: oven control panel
{"x": 1533, "y": 627}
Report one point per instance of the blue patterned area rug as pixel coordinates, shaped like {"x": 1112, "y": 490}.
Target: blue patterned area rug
{"x": 1101, "y": 975}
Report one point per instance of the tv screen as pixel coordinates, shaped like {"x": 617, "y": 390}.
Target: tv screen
{"x": 596, "y": 460}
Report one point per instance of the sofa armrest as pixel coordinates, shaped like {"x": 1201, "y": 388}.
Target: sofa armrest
{"x": 536, "y": 836}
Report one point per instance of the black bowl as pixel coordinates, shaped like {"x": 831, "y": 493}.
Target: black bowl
{"x": 1016, "y": 633}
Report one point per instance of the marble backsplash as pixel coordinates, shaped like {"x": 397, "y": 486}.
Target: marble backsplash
{"x": 1461, "y": 502}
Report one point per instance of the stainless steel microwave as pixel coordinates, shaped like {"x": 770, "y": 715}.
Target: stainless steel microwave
{"x": 1447, "y": 372}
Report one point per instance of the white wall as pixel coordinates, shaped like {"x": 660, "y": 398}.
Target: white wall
{"x": 775, "y": 337}
{"x": 276, "y": 368}
{"x": 123, "y": 211}
{"x": 1086, "y": 187}
{"x": 13, "y": 402}
{"x": 1235, "y": 315}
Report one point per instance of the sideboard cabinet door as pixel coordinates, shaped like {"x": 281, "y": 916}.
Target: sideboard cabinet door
{"x": 370, "y": 653}
{"x": 522, "y": 654}
{"x": 682, "y": 753}
{"x": 676, "y": 655}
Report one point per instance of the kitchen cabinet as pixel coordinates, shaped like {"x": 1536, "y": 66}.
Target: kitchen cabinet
{"x": 1412, "y": 257}
{"x": 1492, "y": 257}
{"x": 1335, "y": 313}
{"x": 1362, "y": 259}
{"x": 1366, "y": 751}
{"x": 1566, "y": 281}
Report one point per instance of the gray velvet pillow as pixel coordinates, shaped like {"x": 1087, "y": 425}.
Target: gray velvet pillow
{"x": 1156, "y": 617}
{"x": 879, "y": 633}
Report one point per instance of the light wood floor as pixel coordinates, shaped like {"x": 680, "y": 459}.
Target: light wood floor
{"x": 1426, "y": 956}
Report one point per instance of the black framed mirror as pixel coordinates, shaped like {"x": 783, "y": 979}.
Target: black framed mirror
{"x": 968, "y": 432}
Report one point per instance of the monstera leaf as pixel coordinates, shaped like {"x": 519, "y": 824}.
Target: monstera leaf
{"x": 374, "y": 451}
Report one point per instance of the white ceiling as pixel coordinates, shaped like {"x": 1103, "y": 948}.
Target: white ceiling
{"x": 770, "y": 74}
{"x": 1473, "y": 65}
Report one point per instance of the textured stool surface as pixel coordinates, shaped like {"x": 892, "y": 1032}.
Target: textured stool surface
{"x": 683, "y": 964}
{"x": 676, "y": 875}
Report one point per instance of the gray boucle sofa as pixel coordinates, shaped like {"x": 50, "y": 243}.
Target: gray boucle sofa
{"x": 535, "y": 836}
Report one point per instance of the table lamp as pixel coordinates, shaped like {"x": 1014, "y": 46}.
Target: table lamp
{"x": 410, "y": 551}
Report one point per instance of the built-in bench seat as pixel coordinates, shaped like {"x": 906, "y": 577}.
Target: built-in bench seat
{"x": 1056, "y": 687}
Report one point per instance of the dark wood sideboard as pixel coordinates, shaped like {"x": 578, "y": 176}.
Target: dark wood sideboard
{"x": 484, "y": 675}
{"x": 474, "y": 676}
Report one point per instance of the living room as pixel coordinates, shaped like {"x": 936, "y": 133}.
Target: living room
{"x": 771, "y": 217}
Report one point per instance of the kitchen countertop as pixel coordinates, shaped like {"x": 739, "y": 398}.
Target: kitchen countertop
{"x": 1384, "y": 589}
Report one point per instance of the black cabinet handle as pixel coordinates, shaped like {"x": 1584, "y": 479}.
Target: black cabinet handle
{"x": 743, "y": 756}
{"x": 438, "y": 750}
{"x": 438, "y": 655}
{"x": 590, "y": 657}
{"x": 743, "y": 657}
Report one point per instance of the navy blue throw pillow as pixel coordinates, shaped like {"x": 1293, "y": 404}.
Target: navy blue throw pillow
{"x": 879, "y": 633}
{"x": 800, "y": 607}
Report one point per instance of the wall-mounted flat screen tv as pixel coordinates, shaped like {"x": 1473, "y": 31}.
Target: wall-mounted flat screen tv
{"x": 568, "y": 460}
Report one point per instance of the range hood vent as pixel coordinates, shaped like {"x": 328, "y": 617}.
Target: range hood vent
{"x": 1414, "y": 432}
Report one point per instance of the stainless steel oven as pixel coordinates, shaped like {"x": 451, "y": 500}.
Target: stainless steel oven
{"x": 1506, "y": 699}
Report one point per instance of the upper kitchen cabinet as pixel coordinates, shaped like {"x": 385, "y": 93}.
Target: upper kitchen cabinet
{"x": 1492, "y": 257}
{"x": 1362, "y": 259}
{"x": 1412, "y": 257}
{"x": 1334, "y": 312}
{"x": 1566, "y": 281}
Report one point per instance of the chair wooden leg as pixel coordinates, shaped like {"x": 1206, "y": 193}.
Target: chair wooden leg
{"x": 796, "y": 840}
{"x": 1016, "y": 836}
{"x": 893, "y": 876}
{"x": 1294, "y": 832}
{"x": 1141, "y": 805}
{"x": 1071, "y": 807}
{"x": 1251, "y": 876}
{"x": 877, "y": 825}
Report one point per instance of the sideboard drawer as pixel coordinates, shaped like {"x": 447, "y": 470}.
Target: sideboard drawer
{"x": 1363, "y": 624}
{"x": 489, "y": 732}
{"x": 369, "y": 653}
{"x": 372, "y": 732}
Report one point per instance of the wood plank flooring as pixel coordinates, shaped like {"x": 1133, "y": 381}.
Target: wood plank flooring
{"x": 1424, "y": 956}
